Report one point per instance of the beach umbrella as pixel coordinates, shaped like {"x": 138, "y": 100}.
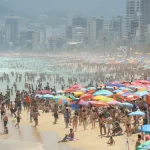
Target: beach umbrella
{"x": 42, "y": 92}
{"x": 70, "y": 90}
{"x": 141, "y": 93}
{"x": 102, "y": 98}
{"x": 91, "y": 91}
{"x": 103, "y": 92}
{"x": 118, "y": 91}
{"x": 86, "y": 96}
{"x": 126, "y": 105}
{"x": 137, "y": 113}
{"x": 63, "y": 101}
{"x": 144, "y": 146}
{"x": 116, "y": 84}
{"x": 78, "y": 93}
{"x": 131, "y": 97}
{"x": 83, "y": 89}
{"x": 71, "y": 97}
{"x": 126, "y": 94}
{"x": 113, "y": 102}
{"x": 125, "y": 88}
{"x": 145, "y": 128}
{"x": 76, "y": 86}
{"x": 57, "y": 97}
{"x": 47, "y": 96}
{"x": 101, "y": 104}
{"x": 91, "y": 88}
{"x": 39, "y": 96}
{"x": 143, "y": 81}
{"x": 84, "y": 103}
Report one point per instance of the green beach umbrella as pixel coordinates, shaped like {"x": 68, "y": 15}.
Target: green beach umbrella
{"x": 144, "y": 146}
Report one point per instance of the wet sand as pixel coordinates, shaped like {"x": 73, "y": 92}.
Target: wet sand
{"x": 29, "y": 138}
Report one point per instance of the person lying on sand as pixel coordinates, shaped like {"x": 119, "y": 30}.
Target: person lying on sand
{"x": 69, "y": 137}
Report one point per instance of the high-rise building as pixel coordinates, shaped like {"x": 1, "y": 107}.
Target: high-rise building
{"x": 99, "y": 26}
{"x": 69, "y": 32}
{"x": 91, "y": 30}
{"x": 2, "y": 34}
{"x": 48, "y": 32}
{"x": 137, "y": 18}
{"x": 116, "y": 25}
{"x": 79, "y": 22}
{"x": 11, "y": 29}
{"x": 78, "y": 34}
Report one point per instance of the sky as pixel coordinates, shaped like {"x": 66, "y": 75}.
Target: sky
{"x": 106, "y": 8}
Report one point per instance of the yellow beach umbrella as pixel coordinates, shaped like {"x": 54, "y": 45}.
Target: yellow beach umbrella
{"x": 78, "y": 94}
{"x": 103, "y": 98}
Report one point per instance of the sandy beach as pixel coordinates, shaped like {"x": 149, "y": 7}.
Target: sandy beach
{"x": 87, "y": 139}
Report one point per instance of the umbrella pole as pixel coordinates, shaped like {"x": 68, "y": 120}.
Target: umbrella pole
{"x": 147, "y": 115}
{"x": 128, "y": 143}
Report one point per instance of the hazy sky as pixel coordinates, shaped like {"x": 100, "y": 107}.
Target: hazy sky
{"x": 107, "y": 8}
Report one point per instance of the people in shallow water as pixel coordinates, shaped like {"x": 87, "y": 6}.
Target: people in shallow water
{"x": 69, "y": 137}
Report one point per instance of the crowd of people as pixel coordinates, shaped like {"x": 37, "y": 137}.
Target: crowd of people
{"x": 112, "y": 121}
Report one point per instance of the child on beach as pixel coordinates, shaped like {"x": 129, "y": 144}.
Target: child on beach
{"x": 111, "y": 141}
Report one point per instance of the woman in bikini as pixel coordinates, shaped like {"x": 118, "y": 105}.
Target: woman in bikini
{"x": 128, "y": 125}
{"x": 93, "y": 118}
{"x": 75, "y": 121}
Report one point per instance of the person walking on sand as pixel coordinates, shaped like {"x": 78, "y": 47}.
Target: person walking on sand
{"x": 3, "y": 111}
{"x": 84, "y": 118}
{"x": 75, "y": 121}
{"x": 36, "y": 115}
{"x": 18, "y": 118}
{"x": 5, "y": 120}
{"x": 55, "y": 115}
{"x": 93, "y": 118}
{"x": 102, "y": 124}
{"x": 67, "y": 117}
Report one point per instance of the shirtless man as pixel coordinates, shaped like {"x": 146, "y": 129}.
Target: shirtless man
{"x": 5, "y": 120}
{"x": 3, "y": 110}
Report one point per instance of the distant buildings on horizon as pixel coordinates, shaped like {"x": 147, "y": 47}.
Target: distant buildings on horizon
{"x": 74, "y": 32}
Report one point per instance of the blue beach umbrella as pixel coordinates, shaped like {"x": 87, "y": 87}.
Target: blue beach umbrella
{"x": 116, "y": 84}
{"x": 91, "y": 88}
{"x": 145, "y": 128}
{"x": 126, "y": 105}
{"x": 137, "y": 113}
{"x": 39, "y": 96}
{"x": 117, "y": 91}
{"x": 103, "y": 92}
{"x": 47, "y": 96}
{"x": 141, "y": 93}
{"x": 125, "y": 88}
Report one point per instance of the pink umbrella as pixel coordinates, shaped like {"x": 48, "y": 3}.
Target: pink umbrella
{"x": 113, "y": 102}
{"x": 76, "y": 86}
{"x": 42, "y": 92}
{"x": 143, "y": 81}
